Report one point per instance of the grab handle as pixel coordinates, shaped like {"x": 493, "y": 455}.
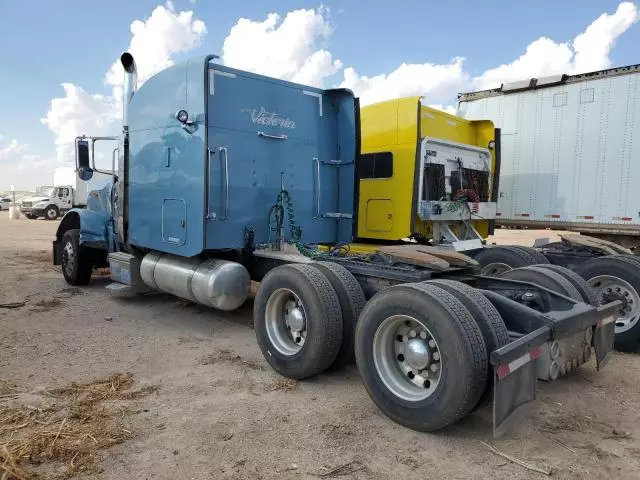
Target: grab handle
{"x": 275, "y": 137}
{"x": 226, "y": 181}
{"x": 317, "y": 160}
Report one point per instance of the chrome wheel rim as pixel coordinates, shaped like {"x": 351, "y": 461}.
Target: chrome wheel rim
{"x": 608, "y": 288}
{"x": 286, "y": 321}
{"x": 68, "y": 258}
{"x": 494, "y": 269}
{"x": 407, "y": 358}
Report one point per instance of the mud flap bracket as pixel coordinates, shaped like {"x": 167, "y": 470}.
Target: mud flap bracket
{"x": 603, "y": 337}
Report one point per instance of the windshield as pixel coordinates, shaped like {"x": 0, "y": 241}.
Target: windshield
{"x": 45, "y": 191}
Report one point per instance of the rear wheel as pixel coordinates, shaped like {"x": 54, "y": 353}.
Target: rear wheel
{"x": 75, "y": 260}
{"x": 544, "y": 278}
{"x": 421, "y": 356}
{"x": 298, "y": 321}
{"x": 493, "y": 328}
{"x": 352, "y": 301}
{"x": 617, "y": 278}
{"x": 497, "y": 260}
{"x": 586, "y": 292}
{"x": 537, "y": 256}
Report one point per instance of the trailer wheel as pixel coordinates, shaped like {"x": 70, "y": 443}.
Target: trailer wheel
{"x": 298, "y": 321}
{"x": 421, "y": 356}
{"x": 352, "y": 301}
{"x": 487, "y": 317}
{"x": 617, "y": 277}
{"x": 538, "y": 257}
{"x": 497, "y": 260}
{"x": 586, "y": 292}
{"x": 545, "y": 278}
{"x": 75, "y": 260}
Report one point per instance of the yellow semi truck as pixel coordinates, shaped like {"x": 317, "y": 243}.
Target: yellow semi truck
{"x": 433, "y": 178}
{"x": 427, "y": 174}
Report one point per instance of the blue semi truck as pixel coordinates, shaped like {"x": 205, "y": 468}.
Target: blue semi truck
{"x": 225, "y": 176}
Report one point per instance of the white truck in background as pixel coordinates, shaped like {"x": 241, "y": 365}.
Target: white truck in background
{"x": 570, "y": 149}
{"x": 52, "y": 201}
{"x": 66, "y": 192}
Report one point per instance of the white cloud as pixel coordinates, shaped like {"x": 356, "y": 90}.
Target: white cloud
{"x": 14, "y": 148}
{"x": 592, "y": 47}
{"x": 440, "y": 83}
{"x": 436, "y": 82}
{"x": 589, "y": 51}
{"x": 290, "y": 49}
{"x": 18, "y": 165}
{"x": 154, "y": 42}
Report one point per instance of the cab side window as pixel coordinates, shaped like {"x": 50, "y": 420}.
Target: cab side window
{"x": 376, "y": 165}
{"x": 63, "y": 192}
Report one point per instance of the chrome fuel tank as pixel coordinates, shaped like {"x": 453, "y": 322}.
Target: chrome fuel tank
{"x": 220, "y": 284}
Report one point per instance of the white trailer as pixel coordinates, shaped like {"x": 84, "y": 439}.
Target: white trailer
{"x": 570, "y": 149}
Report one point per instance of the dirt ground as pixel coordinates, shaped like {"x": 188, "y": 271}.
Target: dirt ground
{"x": 220, "y": 412}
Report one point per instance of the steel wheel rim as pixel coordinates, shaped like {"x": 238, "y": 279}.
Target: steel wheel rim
{"x": 629, "y": 315}
{"x": 286, "y": 321}
{"x": 51, "y": 213}
{"x": 407, "y": 358}
{"x": 68, "y": 258}
{"x": 495, "y": 269}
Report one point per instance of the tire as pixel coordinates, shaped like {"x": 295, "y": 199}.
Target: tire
{"x": 545, "y": 278}
{"x": 51, "y": 212}
{"x": 496, "y": 260}
{"x": 29, "y": 216}
{"x": 537, "y": 256}
{"x": 75, "y": 260}
{"x": 494, "y": 331}
{"x": 352, "y": 301}
{"x": 580, "y": 284}
{"x": 606, "y": 272}
{"x": 460, "y": 369}
{"x": 315, "y": 349}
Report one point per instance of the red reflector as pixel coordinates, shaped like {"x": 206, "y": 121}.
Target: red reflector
{"x": 523, "y": 214}
{"x": 626, "y": 219}
{"x": 555, "y": 215}
{"x": 507, "y": 368}
{"x": 503, "y": 371}
{"x": 498, "y": 214}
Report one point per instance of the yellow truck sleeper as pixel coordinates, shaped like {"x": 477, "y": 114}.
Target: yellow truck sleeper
{"x": 425, "y": 173}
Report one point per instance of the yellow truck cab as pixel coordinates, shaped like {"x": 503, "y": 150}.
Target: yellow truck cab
{"x": 426, "y": 174}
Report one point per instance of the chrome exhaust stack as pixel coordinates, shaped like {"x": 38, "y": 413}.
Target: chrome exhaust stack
{"x": 130, "y": 85}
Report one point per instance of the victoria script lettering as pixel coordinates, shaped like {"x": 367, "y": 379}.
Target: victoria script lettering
{"x": 271, "y": 119}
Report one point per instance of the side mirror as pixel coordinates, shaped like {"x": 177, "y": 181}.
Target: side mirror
{"x": 85, "y": 172}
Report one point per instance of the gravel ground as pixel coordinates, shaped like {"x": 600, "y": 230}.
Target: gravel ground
{"x": 220, "y": 412}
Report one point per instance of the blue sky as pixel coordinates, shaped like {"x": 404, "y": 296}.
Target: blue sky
{"x": 44, "y": 44}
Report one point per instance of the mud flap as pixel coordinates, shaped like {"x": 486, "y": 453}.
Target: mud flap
{"x": 56, "y": 252}
{"x": 603, "y": 337}
{"x": 515, "y": 377}
{"x": 512, "y": 395}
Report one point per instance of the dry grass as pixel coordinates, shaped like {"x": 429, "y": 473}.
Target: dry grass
{"x": 8, "y": 388}
{"x": 227, "y": 356}
{"x": 282, "y": 385}
{"x": 65, "y": 435}
{"x": 102, "y": 271}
